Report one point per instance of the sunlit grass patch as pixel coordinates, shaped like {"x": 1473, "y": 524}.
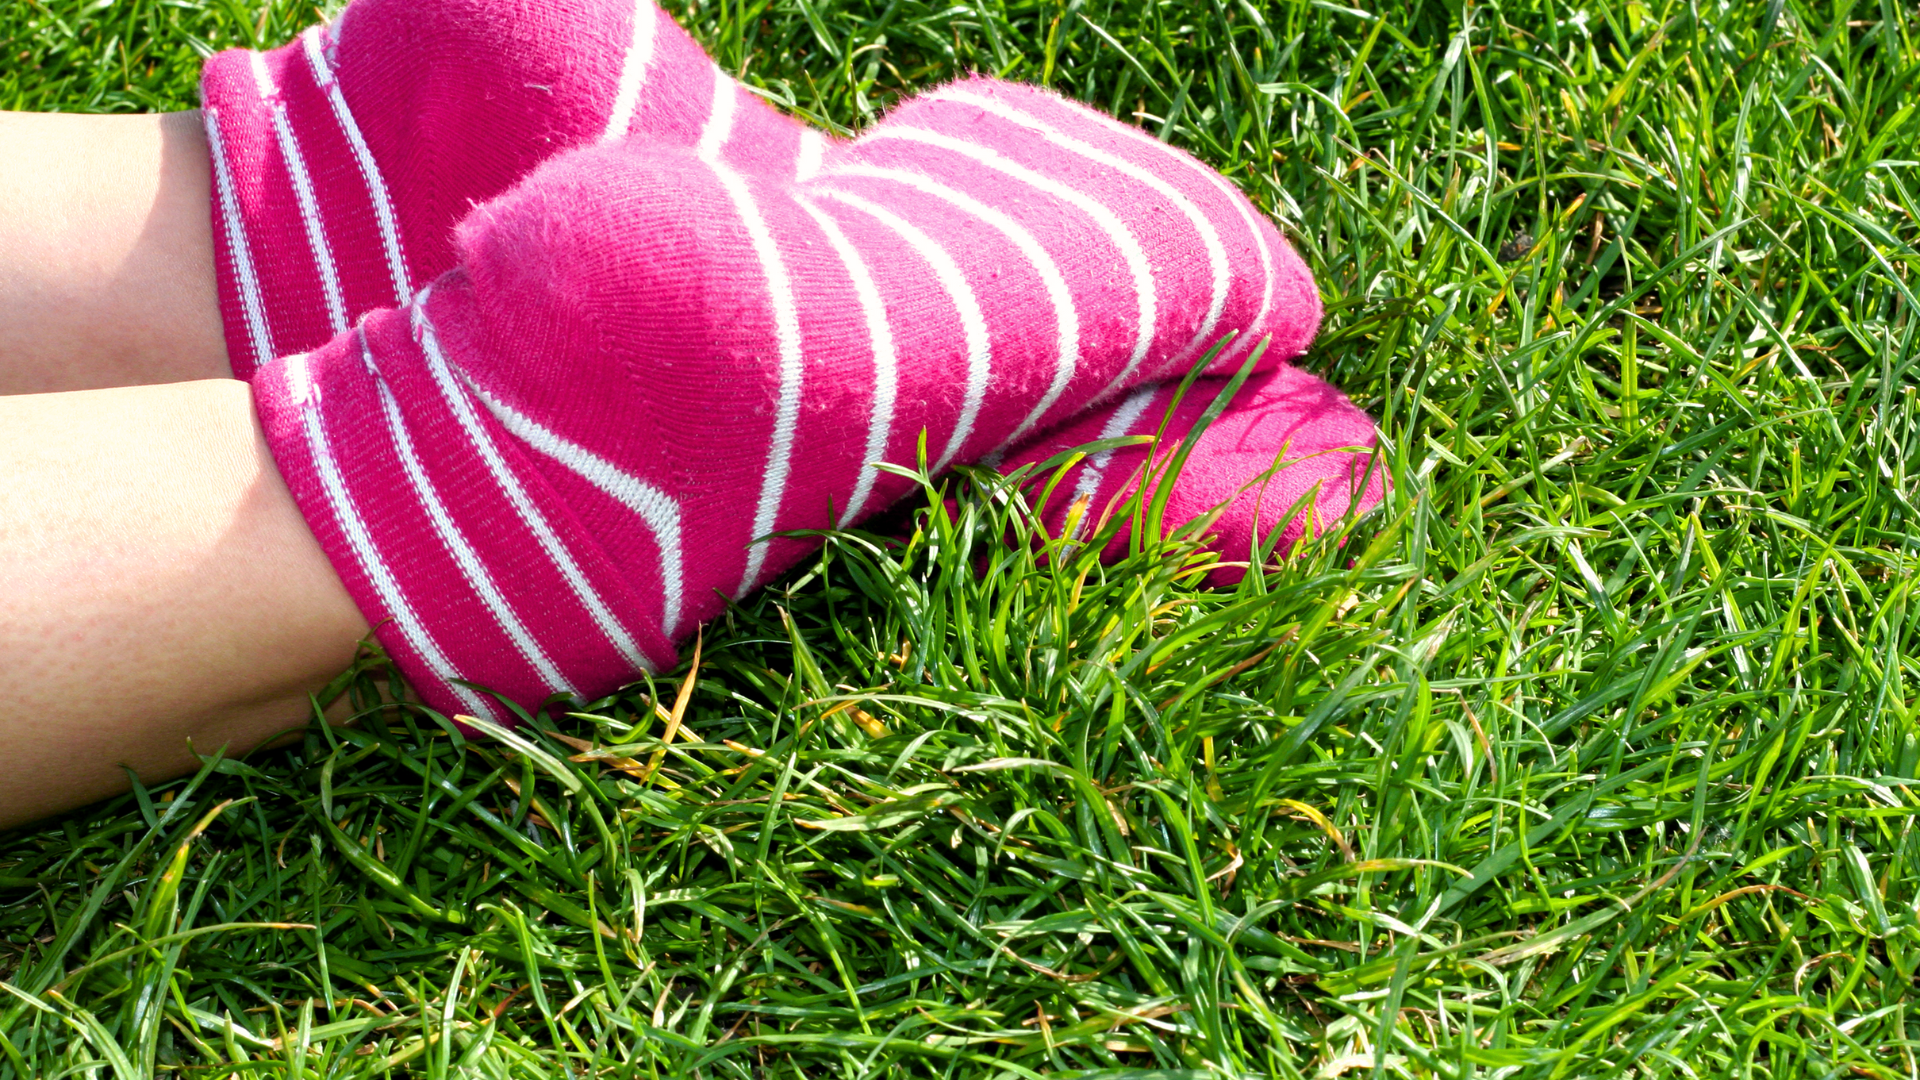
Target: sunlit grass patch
{"x": 1590, "y": 753}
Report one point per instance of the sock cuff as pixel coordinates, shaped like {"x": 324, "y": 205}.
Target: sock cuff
{"x": 305, "y": 230}
{"x": 444, "y": 525}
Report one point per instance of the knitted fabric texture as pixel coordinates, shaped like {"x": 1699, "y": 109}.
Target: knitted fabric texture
{"x": 342, "y": 161}
{"x": 1290, "y": 458}
{"x": 563, "y": 455}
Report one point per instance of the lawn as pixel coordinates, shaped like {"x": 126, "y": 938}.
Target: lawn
{"x": 1592, "y": 753}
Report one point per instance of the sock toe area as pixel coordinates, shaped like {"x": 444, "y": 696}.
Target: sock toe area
{"x": 1295, "y": 457}
{"x": 1291, "y": 453}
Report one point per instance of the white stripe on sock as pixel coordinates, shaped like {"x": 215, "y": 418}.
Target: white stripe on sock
{"x": 303, "y": 195}
{"x": 1209, "y": 237}
{"x": 1117, "y": 231}
{"x": 1123, "y": 418}
{"x": 1239, "y": 202}
{"x": 402, "y": 616}
{"x": 471, "y": 568}
{"x": 377, "y": 192}
{"x": 813, "y": 151}
{"x": 656, "y": 508}
{"x": 1066, "y": 319}
{"x": 633, "y": 72}
{"x": 719, "y": 116}
{"x": 973, "y": 323}
{"x": 461, "y": 405}
{"x": 1240, "y": 205}
{"x": 262, "y": 81}
{"x": 252, "y": 307}
{"x": 886, "y": 374}
{"x": 786, "y": 332}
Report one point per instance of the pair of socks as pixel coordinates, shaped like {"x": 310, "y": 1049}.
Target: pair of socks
{"x": 541, "y": 446}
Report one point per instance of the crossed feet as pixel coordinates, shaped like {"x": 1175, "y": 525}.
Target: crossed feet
{"x": 549, "y": 320}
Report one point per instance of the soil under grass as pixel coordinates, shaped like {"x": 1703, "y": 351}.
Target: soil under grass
{"x": 1592, "y": 753}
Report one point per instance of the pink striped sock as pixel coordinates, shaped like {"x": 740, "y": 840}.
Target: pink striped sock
{"x": 555, "y": 462}
{"x": 1290, "y": 453}
{"x": 343, "y": 160}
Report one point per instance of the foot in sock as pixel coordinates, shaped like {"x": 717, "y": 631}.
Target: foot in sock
{"x": 1288, "y": 460}
{"x": 343, "y": 160}
{"x": 556, "y": 461}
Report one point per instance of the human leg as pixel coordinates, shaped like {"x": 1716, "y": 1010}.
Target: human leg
{"x": 157, "y": 584}
{"x": 106, "y": 253}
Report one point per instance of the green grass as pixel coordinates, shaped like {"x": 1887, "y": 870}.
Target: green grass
{"x": 1591, "y": 754}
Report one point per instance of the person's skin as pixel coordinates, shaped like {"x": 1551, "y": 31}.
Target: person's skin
{"x": 160, "y": 593}
{"x": 157, "y": 585}
{"x": 106, "y": 253}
